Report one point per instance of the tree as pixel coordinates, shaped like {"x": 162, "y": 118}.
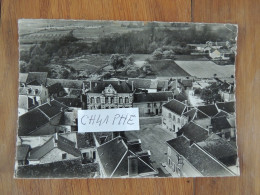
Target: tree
{"x": 157, "y": 54}
{"x": 116, "y": 61}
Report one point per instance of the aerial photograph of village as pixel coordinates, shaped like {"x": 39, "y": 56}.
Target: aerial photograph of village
{"x": 180, "y": 76}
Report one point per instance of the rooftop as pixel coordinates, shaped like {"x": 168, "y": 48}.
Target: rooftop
{"x": 22, "y": 152}
{"x": 66, "y": 83}
{"x": 220, "y": 123}
{"x": 195, "y": 114}
{"x": 194, "y": 132}
{"x": 31, "y": 90}
{"x": 119, "y": 86}
{"x": 56, "y": 141}
{"x": 209, "y": 110}
{"x": 206, "y": 164}
{"x": 39, "y": 77}
{"x": 228, "y": 107}
{"x": 152, "y": 97}
{"x": 175, "y": 106}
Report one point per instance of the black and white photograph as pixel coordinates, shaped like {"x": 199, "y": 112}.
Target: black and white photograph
{"x": 180, "y": 77}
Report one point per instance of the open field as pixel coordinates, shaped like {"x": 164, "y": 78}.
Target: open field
{"x": 167, "y": 68}
{"x": 206, "y": 69}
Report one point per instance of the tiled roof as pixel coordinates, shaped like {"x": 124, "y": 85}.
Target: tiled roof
{"x": 60, "y": 142}
{"x": 194, "y": 132}
{"x": 38, "y": 117}
{"x": 40, "y": 77}
{"x": 195, "y": 114}
{"x": 22, "y": 152}
{"x": 220, "y": 123}
{"x": 31, "y": 121}
{"x": 52, "y": 108}
{"x": 200, "y": 159}
{"x": 153, "y": 97}
{"x": 218, "y": 147}
{"x": 228, "y": 107}
{"x": 119, "y": 86}
{"x": 209, "y": 110}
{"x": 175, "y": 106}
{"x": 114, "y": 156}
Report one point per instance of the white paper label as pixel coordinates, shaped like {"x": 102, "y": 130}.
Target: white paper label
{"x": 105, "y": 120}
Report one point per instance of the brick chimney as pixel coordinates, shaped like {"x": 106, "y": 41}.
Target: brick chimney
{"x": 132, "y": 166}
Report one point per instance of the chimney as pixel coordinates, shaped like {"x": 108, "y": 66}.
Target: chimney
{"x": 210, "y": 128}
{"x": 90, "y": 85}
{"x": 132, "y": 166}
{"x": 132, "y": 85}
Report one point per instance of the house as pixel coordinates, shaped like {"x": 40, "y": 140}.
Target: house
{"x": 198, "y": 117}
{"x": 227, "y": 92}
{"x": 151, "y": 103}
{"x": 228, "y": 107}
{"x": 194, "y": 132}
{"x": 224, "y": 126}
{"x": 209, "y": 110}
{"x": 117, "y": 160}
{"x": 68, "y": 122}
{"x": 42, "y": 119}
{"x": 188, "y": 159}
{"x": 31, "y": 96}
{"x": 33, "y": 78}
{"x": 221, "y": 54}
{"x": 172, "y": 115}
{"x": 221, "y": 149}
{"x": 86, "y": 145}
{"x": 186, "y": 84}
{"x": 70, "y": 102}
{"x": 22, "y": 154}
{"x": 57, "y": 148}
{"x": 109, "y": 94}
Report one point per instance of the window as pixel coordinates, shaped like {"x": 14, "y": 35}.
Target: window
{"x": 169, "y": 151}
{"x": 154, "y": 104}
{"x": 170, "y": 115}
{"x": 64, "y": 156}
{"x": 148, "y": 105}
{"x": 92, "y": 100}
{"x": 180, "y": 160}
{"x": 98, "y": 100}
{"x": 173, "y": 117}
{"x": 120, "y": 100}
{"x": 106, "y": 100}
{"x": 112, "y": 100}
{"x": 179, "y": 120}
{"x": 126, "y": 100}
{"x": 169, "y": 161}
{"x": 173, "y": 127}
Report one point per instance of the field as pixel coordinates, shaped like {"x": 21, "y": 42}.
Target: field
{"x": 206, "y": 69}
{"x": 167, "y": 68}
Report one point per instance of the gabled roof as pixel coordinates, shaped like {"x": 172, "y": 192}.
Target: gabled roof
{"x": 22, "y": 152}
{"x": 209, "y": 110}
{"x": 181, "y": 97}
{"x": 194, "y": 132}
{"x": 119, "y": 86}
{"x": 114, "y": 156}
{"x": 52, "y": 108}
{"x": 220, "y": 123}
{"x": 54, "y": 142}
{"x": 195, "y": 114}
{"x": 228, "y": 107}
{"x": 175, "y": 106}
{"x": 153, "y": 97}
{"x": 31, "y": 121}
{"x": 201, "y": 160}
{"x": 40, "y": 77}
{"x": 218, "y": 147}
{"x": 221, "y": 114}
{"x": 38, "y": 117}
